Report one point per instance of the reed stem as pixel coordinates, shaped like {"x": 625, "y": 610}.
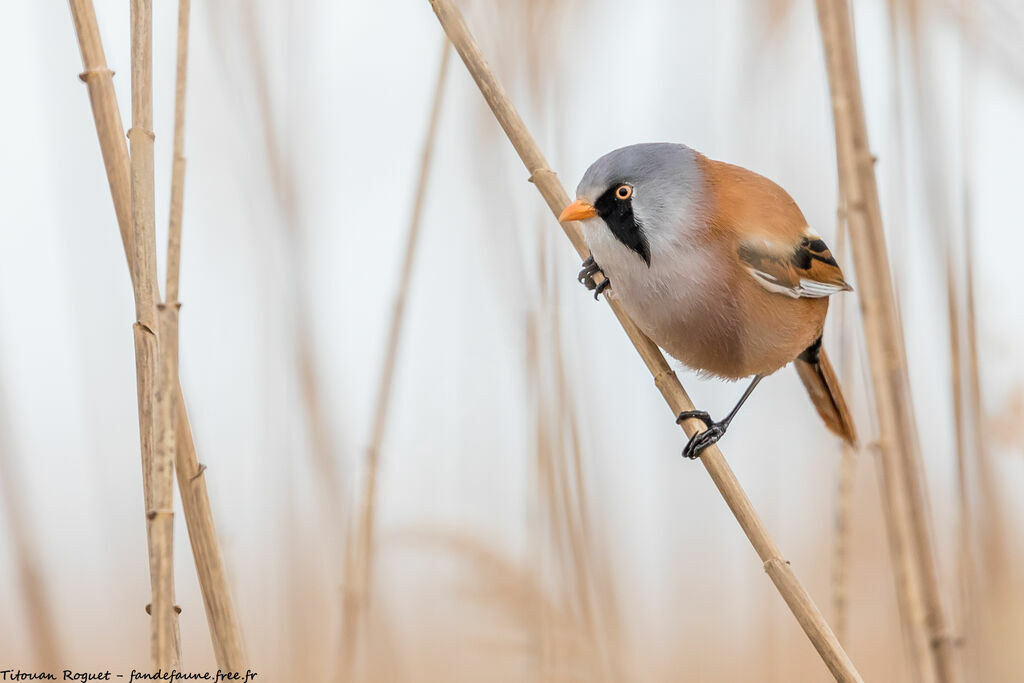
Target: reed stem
{"x": 781, "y": 574}
{"x": 228, "y": 647}
{"x": 100, "y": 82}
{"x": 224, "y": 627}
{"x": 900, "y": 453}
{"x": 155, "y": 407}
{"x": 178, "y": 169}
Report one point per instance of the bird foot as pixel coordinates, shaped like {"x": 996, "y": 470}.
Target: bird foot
{"x": 701, "y": 440}
{"x": 586, "y": 277}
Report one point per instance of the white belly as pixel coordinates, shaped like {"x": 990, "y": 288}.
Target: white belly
{"x": 662, "y": 299}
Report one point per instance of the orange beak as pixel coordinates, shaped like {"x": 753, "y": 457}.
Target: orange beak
{"x": 577, "y": 211}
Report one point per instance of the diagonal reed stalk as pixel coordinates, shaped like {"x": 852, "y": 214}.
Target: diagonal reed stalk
{"x": 212, "y": 577}
{"x": 360, "y": 546}
{"x": 225, "y": 633}
{"x": 900, "y": 454}
{"x": 781, "y": 574}
{"x": 100, "y": 82}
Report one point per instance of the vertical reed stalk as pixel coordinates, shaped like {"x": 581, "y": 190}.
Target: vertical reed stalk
{"x": 178, "y": 168}
{"x": 841, "y": 556}
{"x": 570, "y": 497}
{"x": 847, "y": 457}
{"x": 781, "y": 574}
{"x": 936, "y": 163}
{"x": 990, "y": 609}
{"x": 156, "y": 411}
{"x": 360, "y": 543}
{"x": 897, "y": 441}
{"x": 165, "y": 414}
{"x": 560, "y": 522}
{"x": 894, "y": 508}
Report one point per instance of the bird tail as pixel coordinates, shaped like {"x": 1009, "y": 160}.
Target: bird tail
{"x": 822, "y": 384}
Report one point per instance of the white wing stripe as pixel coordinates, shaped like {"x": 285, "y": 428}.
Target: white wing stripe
{"x": 814, "y": 289}
{"x": 771, "y": 284}
{"x": 810, "y": 289}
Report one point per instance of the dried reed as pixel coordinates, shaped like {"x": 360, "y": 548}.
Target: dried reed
{"x": 225, "y": 633}
{"x": 178, "y": 168}
{"x": 228, "y": 646}
{"x": 991, "y": 596}
{"x": 897, "y": 441}
{"x": 154, "y": 372}
{"x": 99, "y": 81}
{"x": 360, "y": 544}
{"x": 195, "y": 500}
{"x": 935, "y": 162}
{"x": 847, "y": 456}
{"x": 796, "y": 597}
{"x": 563, "y": 512}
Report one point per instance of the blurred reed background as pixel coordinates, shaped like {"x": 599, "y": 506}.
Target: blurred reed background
{"x": 430, "y": 455}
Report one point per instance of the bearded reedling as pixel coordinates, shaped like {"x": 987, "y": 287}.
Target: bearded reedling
{"x": 717, "y": 265}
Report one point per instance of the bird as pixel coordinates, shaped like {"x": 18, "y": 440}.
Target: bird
{"x": 717, "y": 265}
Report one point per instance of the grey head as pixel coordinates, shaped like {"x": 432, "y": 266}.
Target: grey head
{"x": 643, "y": 192}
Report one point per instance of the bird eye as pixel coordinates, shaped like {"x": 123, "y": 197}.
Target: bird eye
{"x": 624, "y": 191}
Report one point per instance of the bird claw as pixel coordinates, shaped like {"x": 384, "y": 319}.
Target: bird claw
{"x": 701, "y": 440}
{"x": 701, "y": 415}
{"x": 586, "y": 277}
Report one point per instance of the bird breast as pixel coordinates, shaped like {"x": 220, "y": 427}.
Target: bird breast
{"x": 712, "y": 318}
{"x": 677, "y": 292}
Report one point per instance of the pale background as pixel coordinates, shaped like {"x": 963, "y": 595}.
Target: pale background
{"x": 349, "y": 86}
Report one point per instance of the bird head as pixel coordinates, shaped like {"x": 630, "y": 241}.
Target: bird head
{"x": 643, "y": 193}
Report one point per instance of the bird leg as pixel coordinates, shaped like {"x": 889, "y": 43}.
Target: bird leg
{"x": 586, "y": 277}
{"x": 715, "y": 430}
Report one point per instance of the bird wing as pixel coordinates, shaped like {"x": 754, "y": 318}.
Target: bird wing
{"x": 770, "y": 233}
{"x": 804, "y": 268}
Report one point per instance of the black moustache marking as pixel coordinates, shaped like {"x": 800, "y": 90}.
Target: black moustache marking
{"x": 618, "y": 215}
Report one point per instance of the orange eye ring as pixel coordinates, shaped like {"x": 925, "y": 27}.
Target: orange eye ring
{"x": 624, "y": 192}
